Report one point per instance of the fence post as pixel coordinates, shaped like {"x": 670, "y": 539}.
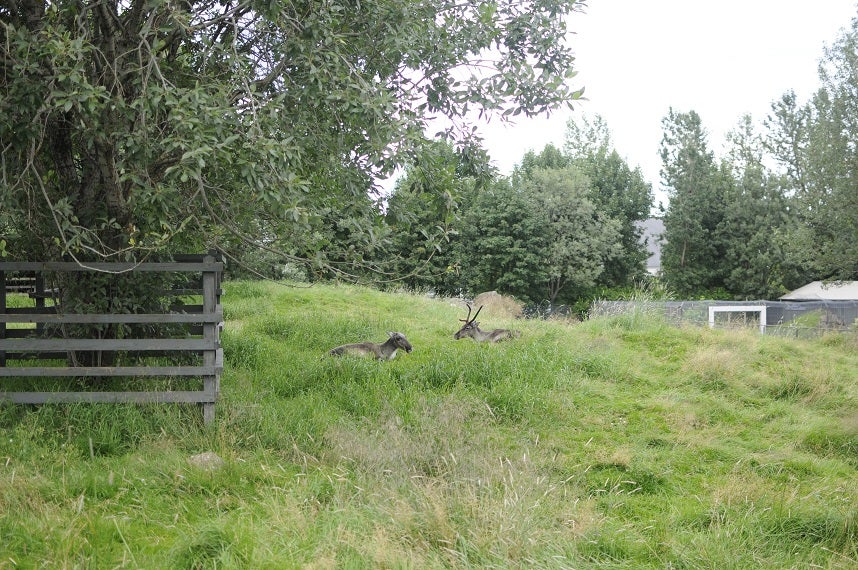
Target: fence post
{"x": 2, "y": 310}
{"x": 210, "y": 334}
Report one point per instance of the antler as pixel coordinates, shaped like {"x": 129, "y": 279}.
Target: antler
{"x": 468, "y": 319}
{"x": 465, "y": 320}
{"x": 477, "y": 313}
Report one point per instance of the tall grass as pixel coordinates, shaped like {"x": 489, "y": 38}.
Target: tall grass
{"x": 614, "y": 443}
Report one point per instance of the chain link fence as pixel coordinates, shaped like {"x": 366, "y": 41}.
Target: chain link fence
{"x": 806, "y": 319}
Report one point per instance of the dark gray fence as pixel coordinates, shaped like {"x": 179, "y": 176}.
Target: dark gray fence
{"x": 803, "y": 319}
{"x": 188, "y": 334}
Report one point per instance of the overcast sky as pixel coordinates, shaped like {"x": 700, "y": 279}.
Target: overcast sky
{"x": 722, "y": 59}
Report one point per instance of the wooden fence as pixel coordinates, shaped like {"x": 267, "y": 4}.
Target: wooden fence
{"x": 33, "y": 348}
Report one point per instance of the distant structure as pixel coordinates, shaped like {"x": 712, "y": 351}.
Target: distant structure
{"x": 653, "y": 228}
{"x": 822, "y": 291}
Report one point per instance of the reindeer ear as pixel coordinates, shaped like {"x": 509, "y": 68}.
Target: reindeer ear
{"x": 389, "y": 333}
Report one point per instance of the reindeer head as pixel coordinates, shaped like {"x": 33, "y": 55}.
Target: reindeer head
{"x": 470, "y": 325}
{"x": 399, "y": 341}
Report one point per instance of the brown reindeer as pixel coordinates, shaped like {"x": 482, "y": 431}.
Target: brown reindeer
{"x": 471, "y": 328}
{"x": 384, "y": 351}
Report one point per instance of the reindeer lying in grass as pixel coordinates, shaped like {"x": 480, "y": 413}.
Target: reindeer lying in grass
{"x": 384, "y": 351}
{"x": 471, "y": 329}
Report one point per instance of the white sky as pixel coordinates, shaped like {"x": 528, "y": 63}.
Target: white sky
{"x": 722, "y": 59}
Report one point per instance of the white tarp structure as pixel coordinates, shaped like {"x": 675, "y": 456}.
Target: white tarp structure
{"x": 822, "y": 291}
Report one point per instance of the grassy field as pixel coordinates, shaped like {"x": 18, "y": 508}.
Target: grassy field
{"x": 615, "y": 443}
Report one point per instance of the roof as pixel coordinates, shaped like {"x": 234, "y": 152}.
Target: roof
{"x": 651, "y": 230}
{"x": 825, "y": 291}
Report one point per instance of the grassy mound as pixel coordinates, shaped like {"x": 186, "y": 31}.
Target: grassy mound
{"x": 615, "y": 443}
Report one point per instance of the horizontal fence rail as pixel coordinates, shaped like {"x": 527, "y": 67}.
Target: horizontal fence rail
{"x": 184, "y": 341}
{"x": 106, "y": 267}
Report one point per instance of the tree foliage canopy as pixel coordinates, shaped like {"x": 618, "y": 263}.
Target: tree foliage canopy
{"x": 691, "y": 253}
{"x": 619, "y": 192}
{"x": 816, "y": 143}
{"x": 781, "y": 208}
{"x": 756, "y": 215}
{"x": 141, "y": 125}
{"x": 582, "y": 238}
{"x": 548, "y": 232}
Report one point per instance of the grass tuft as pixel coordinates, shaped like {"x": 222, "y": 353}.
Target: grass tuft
{"x": 208, "y": 547}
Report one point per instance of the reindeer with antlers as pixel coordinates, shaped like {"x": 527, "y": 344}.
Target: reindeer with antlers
{"x": 471, "y": 329}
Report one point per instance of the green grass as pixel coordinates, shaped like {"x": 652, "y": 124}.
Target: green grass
{"x": 620, "y": 442}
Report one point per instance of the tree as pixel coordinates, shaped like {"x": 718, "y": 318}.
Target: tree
{"x": 138, "y": 126}
{"x": 618, "y": 195}
{"x": 817, "y": 145}
{"x": 692, "y": 256}
{"x": 587, "y": 136}
{"x": 502, "y": 243}
{"x": 581, "y": 238}
{"x": 423, "y": 215}
{"x": 549, "y": 158}
{"x": 619, "y": 192}
{"x": 754, "y": 222}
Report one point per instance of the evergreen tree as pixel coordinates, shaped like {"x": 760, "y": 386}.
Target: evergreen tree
{"x": 692, "y": 255}
{"x": 754, "y": 222}
{"x": 817, "y": 143}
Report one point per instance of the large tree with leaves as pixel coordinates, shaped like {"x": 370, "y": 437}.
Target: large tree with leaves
{"x": 619, "y": 192}
{"x": 131, "y": 126}
{"x": 423, "y": 214}
{"x": 582, "y": 238}
{"x": 502, "y": 243}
